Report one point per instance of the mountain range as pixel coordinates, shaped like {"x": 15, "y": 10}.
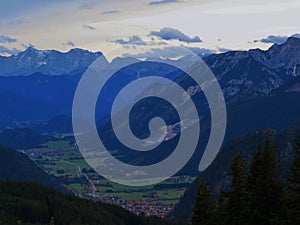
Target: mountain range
{"x": 261, "y": 89}
{"x": 27, "y": 79}
{"x": 253, "y": 73}
{"x": 48, "y": 62}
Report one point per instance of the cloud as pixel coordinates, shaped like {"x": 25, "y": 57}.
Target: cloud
{"x": 276, "y": 39}
{"x": 134, "y": 40}
{"x": 70, "y": 43}
{"x": 7, "y": 39}
{"x": 163, "y": 2}
{"x": 88, "y": 27}
{"x": 111, "y": 12}
{"x": 86, "y": 6}
{"x": 174, "y": 34}
{"x": 17, "y": 22}
{"x": 28, "y": 45}
{"x": 296, "y": 35}
{"x": 223, "y": 50}
{"x": 262, "y": 7}
{"x": 273, "y": 39}
{"x": 201, "y": 51}
{"x": 4, "y": 50}
{"x": 172, "y": 52}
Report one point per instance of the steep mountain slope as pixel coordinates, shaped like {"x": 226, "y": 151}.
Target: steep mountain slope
{"x": 284, "y": 57}
{"x": 245, "y": 75}
{"x": 17, "y": 166}
{"x": 278, "y": 111}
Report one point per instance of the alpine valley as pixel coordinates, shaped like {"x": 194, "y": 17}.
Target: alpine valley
{"x": 261, "y": 89}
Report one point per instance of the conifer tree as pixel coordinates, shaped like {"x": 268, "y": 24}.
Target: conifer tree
{"x": 265, "y": 187}
{"x": 237, "y": 197}
{"x": 221, "y": 215}
{"x": 204, "y": 206}
{"x": 294, "y": 187}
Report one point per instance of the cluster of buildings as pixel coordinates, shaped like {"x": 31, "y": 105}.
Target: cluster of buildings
{"x": 138, "y": 207}
{"x": 143, "y": 207}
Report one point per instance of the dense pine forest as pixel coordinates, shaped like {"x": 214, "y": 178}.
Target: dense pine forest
{"x": 258, "y": 194}
{"x": 29, "y": 203}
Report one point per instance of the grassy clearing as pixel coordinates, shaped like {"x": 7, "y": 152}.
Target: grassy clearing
{"x": 61, "y": 169}
{"x": 57, "y": 145}
{"x": 80, "y": 188}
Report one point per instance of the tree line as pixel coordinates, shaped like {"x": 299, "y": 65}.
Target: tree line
{"x": 258, "y": 194}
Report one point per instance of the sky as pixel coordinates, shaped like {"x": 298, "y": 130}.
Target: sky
{"x": 102, "y": 25}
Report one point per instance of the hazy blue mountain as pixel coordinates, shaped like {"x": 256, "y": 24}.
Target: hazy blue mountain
{"x": 23, "y": 138}
{"x": 59, "y": 124}
{"x": 41, "y": 97}
{"x": 15, "y": 107}
{"x": 36, "y": 97}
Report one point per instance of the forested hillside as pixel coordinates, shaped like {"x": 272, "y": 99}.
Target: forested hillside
{"x": 257, "y": 193}
{"x": 217, "y": 176}
{"x": 28, "y": 203}
{"x": 17, "y": 166}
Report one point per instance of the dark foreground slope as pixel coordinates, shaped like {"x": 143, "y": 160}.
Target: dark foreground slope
{"x": 28, "y": 203}
{"x": 17, "y": 166}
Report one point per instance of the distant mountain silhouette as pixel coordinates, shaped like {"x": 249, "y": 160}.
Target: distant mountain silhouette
{"x": 23, "y": 138}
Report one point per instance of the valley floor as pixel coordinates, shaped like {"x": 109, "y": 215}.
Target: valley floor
{"x": 62, "y": 160}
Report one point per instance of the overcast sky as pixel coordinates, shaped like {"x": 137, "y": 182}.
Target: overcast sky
{"x": 100, "y": 25}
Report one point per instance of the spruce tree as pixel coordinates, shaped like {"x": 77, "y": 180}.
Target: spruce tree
{"x": 294, "y": 187}
{"x": 221, "y": 211}
{"x": 265, "y": 187}
{"x": 237, "y": 197}
{"x": 204, "y": 206}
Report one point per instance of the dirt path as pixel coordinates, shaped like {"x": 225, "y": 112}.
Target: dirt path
{"x": 80, "y": 174}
